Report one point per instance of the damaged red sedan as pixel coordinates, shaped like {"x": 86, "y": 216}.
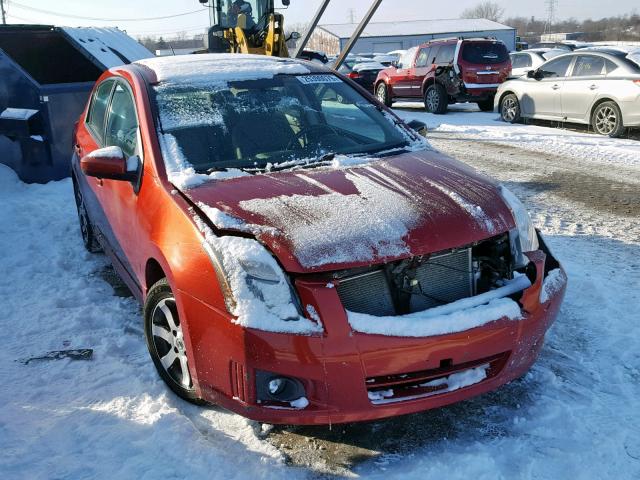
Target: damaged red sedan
{"x": 302, "y": 255}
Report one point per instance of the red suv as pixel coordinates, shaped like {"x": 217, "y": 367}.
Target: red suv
{"x": 448, "y": 71}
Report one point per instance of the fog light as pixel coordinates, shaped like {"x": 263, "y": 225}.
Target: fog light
{"x": 277, "y": 388}
{"x": 277, "y": 385}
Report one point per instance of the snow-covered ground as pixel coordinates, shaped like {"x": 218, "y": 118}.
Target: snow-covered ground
{"x": 576, "y": 414}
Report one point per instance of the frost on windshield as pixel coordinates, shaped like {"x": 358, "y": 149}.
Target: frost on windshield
{"x": 180, "y": 108}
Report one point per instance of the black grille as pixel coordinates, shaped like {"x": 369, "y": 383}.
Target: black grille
{"x": 419, "y": 285}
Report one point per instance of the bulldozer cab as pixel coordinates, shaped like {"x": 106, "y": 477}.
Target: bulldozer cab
{"x": 247, "y": 26}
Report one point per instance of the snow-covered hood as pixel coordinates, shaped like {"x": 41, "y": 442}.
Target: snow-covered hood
{"x": 332, "y": 218}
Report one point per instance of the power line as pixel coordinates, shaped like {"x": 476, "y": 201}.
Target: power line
{"x": 79, "y": 17}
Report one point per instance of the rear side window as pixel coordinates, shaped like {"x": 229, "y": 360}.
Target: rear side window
{"x": 122, "y": 124}
{"x": 589, "y": 66}
{"x": 521, "y": 61}
{"x": 423, "y": 57}
{"x": 98, "y": 109}
{"x": 445, "y": 54}
{"x": 557, "y": 67}
{"x": 484, "y": 53}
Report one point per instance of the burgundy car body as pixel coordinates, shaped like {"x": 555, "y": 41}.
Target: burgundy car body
{"x": 445, "y": 62}
{"x": 150, "y": 229}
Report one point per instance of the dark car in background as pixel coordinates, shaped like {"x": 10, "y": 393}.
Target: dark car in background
{"x": 362, "y": 71}
{"x": 443, "y": 72}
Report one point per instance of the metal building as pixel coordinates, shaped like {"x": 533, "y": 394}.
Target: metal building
{"x": 383, "y": 37}
{"x": 46, "y": 75}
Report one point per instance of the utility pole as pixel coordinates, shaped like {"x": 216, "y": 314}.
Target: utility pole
{"x": 551, "y": 15}
{"x": 352, "y": 15}
{"x": 4, "y": 16}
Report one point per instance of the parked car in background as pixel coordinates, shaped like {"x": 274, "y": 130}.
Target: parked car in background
{"x": 600, "y": 88}
{"x": 301, "y": 255}
{"x": 442, "y": 72}
{"x": 523, "y": 62}
{"x": 386, "y": 60}
{"x": 363, "y": 72}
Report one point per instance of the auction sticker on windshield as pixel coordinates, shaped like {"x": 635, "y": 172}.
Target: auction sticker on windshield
{"x": 309, "y": 79}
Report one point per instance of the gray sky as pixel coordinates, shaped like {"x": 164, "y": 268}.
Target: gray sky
{"x": 299, "y": 12}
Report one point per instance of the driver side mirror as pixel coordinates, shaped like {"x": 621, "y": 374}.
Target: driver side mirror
{"x": 395, "y": 64}
{"x": 286, "y": 3}
{"x": 419, "y": 127}
{"x": 294, "y": 36}
{"x": 110, "y": 163}
{"x": 536, "y": 74}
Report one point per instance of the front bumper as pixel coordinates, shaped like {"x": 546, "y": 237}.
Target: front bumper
{"x": 337, "y": 367}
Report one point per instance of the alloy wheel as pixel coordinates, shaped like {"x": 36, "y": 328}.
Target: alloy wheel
{"x": 382, "y": 93}
{"x": 606, "y": 120}
{"x": 433, "y": 100}
{"x": 169, "y": 343}
{"x": 509, "y": 109}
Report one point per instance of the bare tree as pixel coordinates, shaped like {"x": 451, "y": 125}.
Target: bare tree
{"x": 489, "y": 10}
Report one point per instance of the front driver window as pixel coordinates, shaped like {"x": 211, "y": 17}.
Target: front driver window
{"x": 557, "y": 67}
{"x": 122, "y": 123}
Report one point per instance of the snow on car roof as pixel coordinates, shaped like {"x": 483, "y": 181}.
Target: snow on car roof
{"x": 220, "y": 67}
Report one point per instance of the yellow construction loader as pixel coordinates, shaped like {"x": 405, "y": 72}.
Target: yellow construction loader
{"x": 247, "y": 26}
{"x": 254, "y": 26}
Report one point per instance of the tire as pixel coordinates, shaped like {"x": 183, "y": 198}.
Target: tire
{"x": 382, "y": 93}
{"x": 436, "y": 99}
{"x": 87, "y": 230}
{"x": 607, "y": 120}
{"x": 165, "y": 341}
{"x": 510, "y": 109}
{"x": 486, "y": 105}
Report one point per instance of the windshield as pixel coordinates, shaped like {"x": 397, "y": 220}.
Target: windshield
{"x": 484, "y": 53}
{"x": 256, "y": 124}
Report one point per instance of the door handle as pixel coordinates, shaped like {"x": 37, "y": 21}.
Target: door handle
{"x": 593, "y": 87}
{"x": 556, "y": 87}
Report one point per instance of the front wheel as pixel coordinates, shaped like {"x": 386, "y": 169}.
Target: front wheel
{"x": 436, "y": 99}
{"x": 166, "y": 343}
{"x": 382, "y": 92}
{"x": 510, "y": 109}
{"x": 89, "y": 239}
{"x": 607, "y": 120}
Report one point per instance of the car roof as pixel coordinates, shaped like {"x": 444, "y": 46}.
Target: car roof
{"x": 212, "y": 67}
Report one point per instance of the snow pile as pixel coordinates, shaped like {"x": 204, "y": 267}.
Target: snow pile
{"x": 554, "y": 282}
{"x": 453, "y": 382}
{"x": 262, "y": 296}
{"x": 465, "y": 120}
{"x": 384, "y": 218}
{"x": 214, "y": 68}
{"x": 181, "y": 173}
{"x": 109, "y": 417}
{"x": 453, "y": 317}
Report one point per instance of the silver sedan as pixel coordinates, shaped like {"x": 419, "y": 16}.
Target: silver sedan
{"x": 600, "y": 88}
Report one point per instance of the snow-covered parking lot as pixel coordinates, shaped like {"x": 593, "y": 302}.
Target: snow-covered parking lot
{"x": 576, "y": 414}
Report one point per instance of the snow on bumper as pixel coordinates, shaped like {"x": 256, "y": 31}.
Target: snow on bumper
{"x": 352, "y": 376}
